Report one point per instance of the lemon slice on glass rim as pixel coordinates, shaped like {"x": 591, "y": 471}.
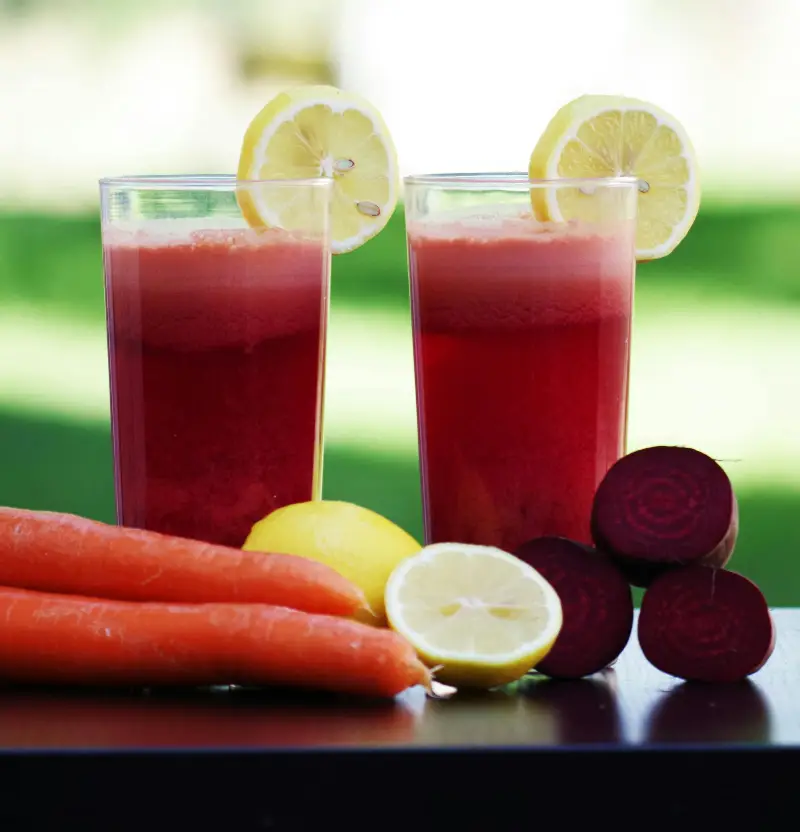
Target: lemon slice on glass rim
{"x": 314, "y": 131}
{"x": 480, "y": 616}
{"x": 608, "y": 135}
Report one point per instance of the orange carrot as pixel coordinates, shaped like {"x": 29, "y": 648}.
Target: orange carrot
{"x": 66, "y": 639}
{"x": 53, "y": 552}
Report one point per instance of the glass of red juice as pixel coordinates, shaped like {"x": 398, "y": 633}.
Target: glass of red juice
{"x": 216, "y": 346}
{"x": 521, "y": 331}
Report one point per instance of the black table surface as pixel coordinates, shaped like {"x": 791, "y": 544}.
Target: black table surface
{"x": 630, "y": 739}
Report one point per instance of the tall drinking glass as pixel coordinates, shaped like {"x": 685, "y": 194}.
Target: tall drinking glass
{"x": 521, "y": 348}
{"x": 216, "y": 342}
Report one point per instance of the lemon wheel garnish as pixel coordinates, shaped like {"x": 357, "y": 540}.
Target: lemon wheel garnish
{"x": 478, "y": 614}
{"x": 315, "y": 131}
{"x": 606, "y": 135}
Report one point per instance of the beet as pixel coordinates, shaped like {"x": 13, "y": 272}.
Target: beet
{"x": 663, "y": 507}
{"x": 596, "y": 601}
{"x": 705, "y": 624}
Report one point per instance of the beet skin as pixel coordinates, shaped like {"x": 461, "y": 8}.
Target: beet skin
{"x": 705, "y": 624}
{"x": 596, "y": 603}
{"x": 664, "y": 507}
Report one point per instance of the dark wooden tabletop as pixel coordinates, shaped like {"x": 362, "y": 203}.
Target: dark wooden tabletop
{"x": 245, "y": 756}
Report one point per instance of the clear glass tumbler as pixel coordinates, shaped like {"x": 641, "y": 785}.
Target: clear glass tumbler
{"x": 521, "y": 345}
{"x": 216, "y": 345}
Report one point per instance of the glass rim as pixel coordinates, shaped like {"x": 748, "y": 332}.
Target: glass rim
{"x": 197, "y": 181}
{"x": 513, "y": 179}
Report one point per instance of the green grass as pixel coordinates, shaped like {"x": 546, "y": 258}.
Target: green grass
{"x": 50, "y": 463}
{"x": 745, "y": 253}
{"x": 56, "y": 262}
{"x": 53, "y": 464}
{"x": 57, "y": 465}
{"x": 56, "y": 455}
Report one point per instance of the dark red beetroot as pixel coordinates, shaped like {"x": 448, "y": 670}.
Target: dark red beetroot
{"x": 704, "y": 624}
{"x": 663, "y": 507}
{"x": 596, "y": 603}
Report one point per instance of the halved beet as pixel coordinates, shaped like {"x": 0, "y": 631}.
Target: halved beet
{"x": 663, "y": 507}
{"x": 596, "y": 602}
{"x": 705, "y": 624}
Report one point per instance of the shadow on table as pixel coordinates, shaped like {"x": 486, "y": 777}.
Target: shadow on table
{"x": 37, "y": 718}
{"x": 533, "y": 712}
{"x": 694, "y": 712}
{"x": 584, "y": 710}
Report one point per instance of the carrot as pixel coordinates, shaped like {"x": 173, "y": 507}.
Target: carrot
{"x": 53, "y": 552}
{"x": 66, "y": 639}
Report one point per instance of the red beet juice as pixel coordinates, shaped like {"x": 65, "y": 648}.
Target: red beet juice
{"x": 216, "y": 351}
{"x": 521, "y": 344}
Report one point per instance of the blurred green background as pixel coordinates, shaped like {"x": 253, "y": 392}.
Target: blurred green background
{"x": 171, "y": 86}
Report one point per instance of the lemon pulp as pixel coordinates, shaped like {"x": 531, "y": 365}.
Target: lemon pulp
{"x": 605, "y": 135}
{"x": 314, "y": 131}
{"x": 480, "y": 615}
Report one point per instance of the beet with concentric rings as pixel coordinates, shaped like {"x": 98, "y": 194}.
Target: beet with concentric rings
{"x": 704, "y": 624}
{"x": 596, "y": 603}
{"x": 662, "y": 507}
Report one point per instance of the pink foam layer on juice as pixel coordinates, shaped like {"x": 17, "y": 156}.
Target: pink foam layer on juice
{"x": 514, "y": 272}
{"x": 521, "y": 348}
{"x": 216, "y": 287}
{"x": 216, "y": 342}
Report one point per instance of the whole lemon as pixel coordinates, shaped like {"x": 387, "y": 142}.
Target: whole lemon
{"x": 357, "y": 542}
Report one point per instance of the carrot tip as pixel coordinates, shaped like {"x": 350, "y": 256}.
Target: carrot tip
{"x": 428, "y": 677}
{"x": 365, "y": 608}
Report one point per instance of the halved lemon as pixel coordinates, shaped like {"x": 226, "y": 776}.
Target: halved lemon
{"x": 315, "y": 131}
{"x": 607, "y": 135}
{"x": 478, "y": 614}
